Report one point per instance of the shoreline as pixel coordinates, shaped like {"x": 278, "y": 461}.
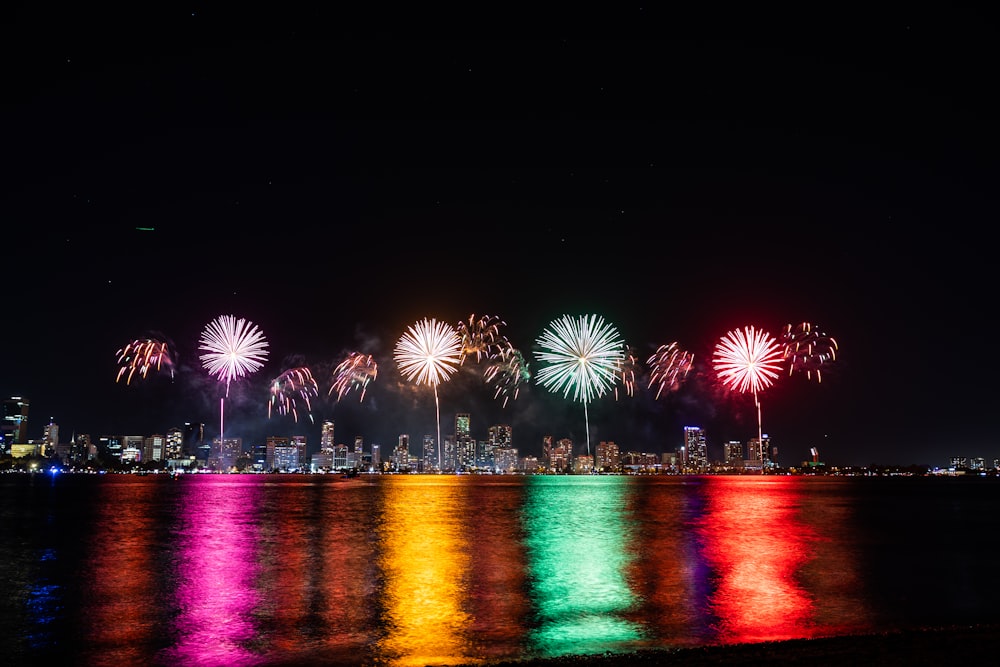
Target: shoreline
{"x": 927, "y": 646}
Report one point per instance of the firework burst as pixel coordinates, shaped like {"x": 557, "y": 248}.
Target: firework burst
{"x": 293, "y": 383}
{"x": 505, "y": 372}
{"x": 806, "y": 349}
{"x": 583, "y": 356}
{"x": 748, "y": 360}
{"x": 626, "y": 370}
{"x": 428, "y": 354}
{"x": 481, "y": 337}
{"x": 669, "y": 367}
{"x": 354, "y": 372}
{"x": 233, "y": 348}
{"x": 143, "y": 355}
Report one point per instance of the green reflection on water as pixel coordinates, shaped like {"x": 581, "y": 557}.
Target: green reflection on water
{"x": 576, "y": 539}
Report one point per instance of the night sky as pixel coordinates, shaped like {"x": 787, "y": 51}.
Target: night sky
{"x": 334, "y": 191}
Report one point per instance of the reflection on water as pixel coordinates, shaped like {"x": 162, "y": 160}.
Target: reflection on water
{"x": 215, "y": 567}
{"x": 425, "y": 562}
{"x": 443, "y": 569}
{"x": 667, "y": 573}
{"x": 577, "y": 537}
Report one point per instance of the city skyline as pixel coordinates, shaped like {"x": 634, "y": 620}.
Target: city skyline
{"x": 333, "y": 192}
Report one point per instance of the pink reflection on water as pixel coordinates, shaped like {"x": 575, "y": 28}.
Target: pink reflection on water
{"x": 216, "y": 565}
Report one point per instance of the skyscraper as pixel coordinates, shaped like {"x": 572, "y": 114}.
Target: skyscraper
{"x": 14, "y": 427}
{"x": 465, "y": 446}
{"x": 695, "y": 448}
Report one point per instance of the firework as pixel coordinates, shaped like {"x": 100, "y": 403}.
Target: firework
{"x": 428, "y": 353}
{"x": 669, "y": 367}
{"x": 233, "y": 348}
{"x": 295, "y": 382}
{"x": 626, "y": 371}
{"x": 354, "y": 372}
{"x": 142, "y": 355}
{"x": 748, "y": 360}
{"x": 584, "y": 355}
{"x": 506, "y": 370}
{"x": 806, "y": 349}
{"x": 481, "y": 337}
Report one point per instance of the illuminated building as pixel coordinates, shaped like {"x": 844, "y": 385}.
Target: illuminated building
{"x": 14, "y": 427}
{"x": 695, "y": 448}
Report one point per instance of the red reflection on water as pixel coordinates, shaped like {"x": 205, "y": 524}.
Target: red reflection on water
{"x": 216, "y": 568}
{"x": 318, "y": 575}
{"x": 668, "y": 572}
{"x": 497, "y": 597}
{"x": 122, "y": 573}
{"x": 756, "y": 544}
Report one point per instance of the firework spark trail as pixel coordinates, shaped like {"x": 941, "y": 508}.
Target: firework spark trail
{"x": 284, "y": 389}
{"x": 807, "y": 349}
{"x": 142, "y": 355}
{"x": 584, "y": 356}
{"x": 428, "y": 353}
{"x": 481, "y": 336}
{"x": 354, "y": 372}
{"x": 669, "y": 367}
{"x": 626, "y": 371}
{"x": 233, "y": 348}
{"x": 748, "y": 360}
{"x": 506, "y": 370}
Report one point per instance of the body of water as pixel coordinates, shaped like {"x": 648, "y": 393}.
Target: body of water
{"x": 445, "y": 569}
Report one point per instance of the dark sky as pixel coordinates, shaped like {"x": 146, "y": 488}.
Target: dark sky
{"x": 334, "y": 191}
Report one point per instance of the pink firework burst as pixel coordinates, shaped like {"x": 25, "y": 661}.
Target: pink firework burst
{"x": 233, "y": 348}
{"x": 807, "y": 349}
{"x": 293, "y": 383}
{"x": 354, "y": 372}
{"x": 669, "y": 367}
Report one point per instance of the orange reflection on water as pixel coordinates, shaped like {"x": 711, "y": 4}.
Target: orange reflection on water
{"x": 123, "y": 572}
{"x": 425, "y": 561}
{"x": 756, "y": 544}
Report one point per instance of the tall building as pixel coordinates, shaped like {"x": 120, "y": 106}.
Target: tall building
{"x": 359, "y": 451}
{"x": 154, "y": 448}
{"x": 560, "y": 455}
{"x": 225, "y": 453}
{"x": 499, "y": 436}
{"x": 326, "y": 440}
{"x": 401, "y": 455}
{"x": 110, "y": 447}
{"x": 608, "y": 457}
{"x": 465, "y": 446}
{"x": 194, "y": 437}
{"x": 733, "y": 453}
{"x": 50, "y": 439}
{"x": 276, "y": 453}
{"x": 430, "y": 453}
{"x": 760, "y": 452}
{"x": 14, "y": 427}
{"x": 299, "y": 442}
{"x": 695, "y": 448}
{"x": 174, "y": 443}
